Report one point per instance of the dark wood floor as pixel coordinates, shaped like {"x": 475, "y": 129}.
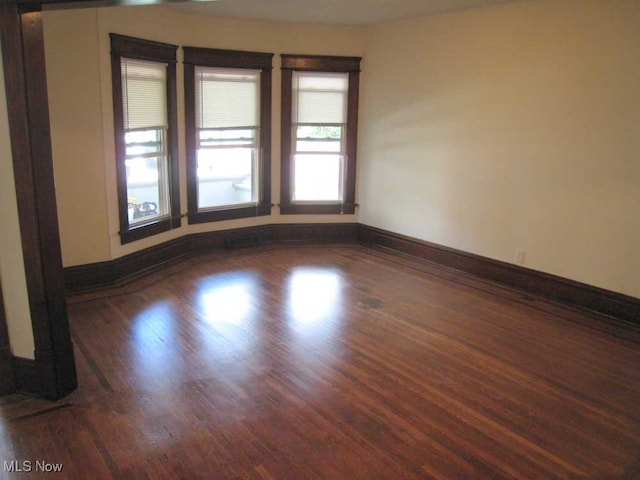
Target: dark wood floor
{"x": 335, "y": 362}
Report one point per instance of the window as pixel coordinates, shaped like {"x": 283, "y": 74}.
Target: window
{"x": 228, "y": 126}
{"x": 145, "y": 125}
{"x": 319, "y": 133}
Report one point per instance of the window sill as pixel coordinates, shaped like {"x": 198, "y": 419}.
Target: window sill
{"x": 206, "y": 216}
{"x": 138, "y": 232}
{"x": 317, "y": 208}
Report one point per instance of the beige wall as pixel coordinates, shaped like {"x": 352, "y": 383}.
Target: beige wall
{"x": 79, "y": 77}
{"x": 14, "y": 284}
{"x": 510, "y": 127}
{"x": 489, "y": 130}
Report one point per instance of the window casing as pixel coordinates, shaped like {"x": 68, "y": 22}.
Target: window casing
{"x": 228, "y": 128}
{"x": 319, "y": 133}
{"x": 145, "y": 125}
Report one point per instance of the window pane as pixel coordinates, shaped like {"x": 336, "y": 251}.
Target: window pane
{"x": 226, "y": 138}
{"x": 142, "y": 142}
{"x": 146, "y": 188}
{"x": 318, "y": 139}
{"x": 317, "y": 177}
{"x": 225, "y": 176}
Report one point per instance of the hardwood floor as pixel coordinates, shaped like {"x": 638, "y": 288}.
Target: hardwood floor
{"x": 334, "y": 362}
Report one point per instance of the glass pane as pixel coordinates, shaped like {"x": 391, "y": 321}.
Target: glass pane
{"x": 227, "y": 138}
{"x": 317, "y": 178}
{"x": 143, "y": 141}
{"x": 318, "y": 139}
{"x": 147, "y": 191}
{"x": 225, "y": 176}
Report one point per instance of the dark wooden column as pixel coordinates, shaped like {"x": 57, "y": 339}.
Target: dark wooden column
{"x": 27, "y": 102}
{"x": 6, "y": 372}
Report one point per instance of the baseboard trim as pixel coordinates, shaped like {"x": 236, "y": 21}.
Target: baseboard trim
{"x": 25, "y": 375}
{"x": 7, "y": 384}
{"x": 568, "y": 292}
{"x": 92, "y": 276}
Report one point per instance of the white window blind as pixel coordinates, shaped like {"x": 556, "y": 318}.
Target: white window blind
{"x": 320, "y": 98}
{"x": 144, "y": 94}
{"x": 227, "y": 98}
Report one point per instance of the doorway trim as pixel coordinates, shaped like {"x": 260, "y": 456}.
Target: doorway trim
{"x": 22, "y": 39}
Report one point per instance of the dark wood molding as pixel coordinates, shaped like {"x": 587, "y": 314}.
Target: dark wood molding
{"x": 320, "y": 63}
{"x": 315, "y": 233}
{"x": 6, "y": 369}
{"x": 173, "y": 152}
{"x": 264, "y": 204}
{"x": 209, "y": 57}
{"x": 38, "y": 5}
{"x": 317, "y": 208}
{"x": 352, "y": 143}
{"x": 142, "y": 49}
{"x": 190, "y": 137}
{"x": 286, "y": 166}
{"x": 26, "y": 375}
{"x": 552, "y": 287}
{"x": 207, "y": 216}
{"x": 132, "y": 266}
{"x": 214, "y": 57}
{"x": 27, "y": 102}
{"x": 7, "y": 378}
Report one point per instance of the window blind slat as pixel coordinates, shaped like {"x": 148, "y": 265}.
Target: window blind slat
{"x": 320, "y": 97}
{"x": 227, "y": 97}
{"x": 144, "y": 94}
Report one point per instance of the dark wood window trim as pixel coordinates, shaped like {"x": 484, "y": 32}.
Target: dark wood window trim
{"x": 207, "y": 57}
{"x": 319, "y": 63}
{"x": 136, "y": 48}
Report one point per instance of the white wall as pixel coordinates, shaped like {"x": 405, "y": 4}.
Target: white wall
{"x": 81, "y": 109}
{"x": 510, "y": 127}
{"x": 14, "y": 284}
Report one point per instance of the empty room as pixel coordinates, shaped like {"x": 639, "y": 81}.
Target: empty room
{"x": 284, "y": 240}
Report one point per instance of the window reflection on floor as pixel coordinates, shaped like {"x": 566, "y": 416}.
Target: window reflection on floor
{"x": 314, "y": 299}
{"x": 228, "y": 304}
{"x": 154, "y": 341}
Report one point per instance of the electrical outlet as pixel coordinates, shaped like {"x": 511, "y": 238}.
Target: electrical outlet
{"x": 519, "y": 257}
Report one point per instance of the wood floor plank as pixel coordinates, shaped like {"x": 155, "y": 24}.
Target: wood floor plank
{"x": 334, "y": 362}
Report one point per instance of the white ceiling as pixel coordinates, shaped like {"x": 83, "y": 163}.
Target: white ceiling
{"x": 337, "y": 12}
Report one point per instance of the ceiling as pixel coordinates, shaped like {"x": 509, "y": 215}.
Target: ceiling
{"x": 336, "y": 12}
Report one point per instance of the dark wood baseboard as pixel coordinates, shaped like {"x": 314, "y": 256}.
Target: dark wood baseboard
{"x": 568, "y": 292}
{"x": 6, "y": 369}
{"x": 7, "y": 384}
{"x": 124, "y": 269}
{"x": 25, "y": 375}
